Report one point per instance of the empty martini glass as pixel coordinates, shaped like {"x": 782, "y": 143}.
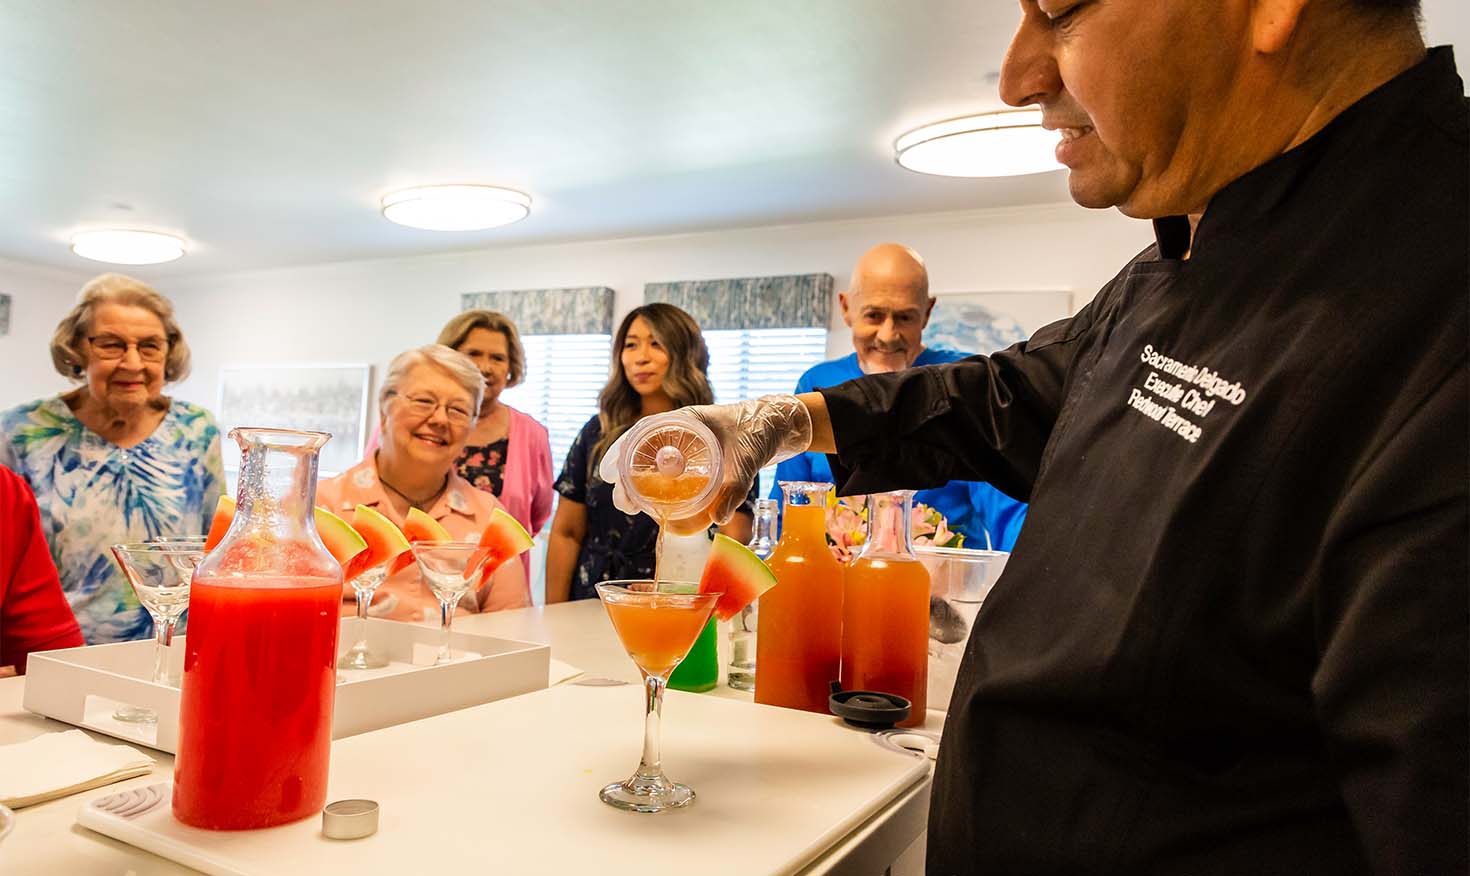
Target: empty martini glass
{"x": 451, "y": 569}
{"x": 160, "y": 574}
{"x": 657, "y": 624}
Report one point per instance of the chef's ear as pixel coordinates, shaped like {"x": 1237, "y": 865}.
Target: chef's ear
{"x": 1274, "y": 23}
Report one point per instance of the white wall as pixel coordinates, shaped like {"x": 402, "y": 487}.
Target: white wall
{"x": 39, "y": 297}
{"x": 371, "y": 310}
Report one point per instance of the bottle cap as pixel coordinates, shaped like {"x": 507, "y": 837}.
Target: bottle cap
{"x": 868, "y": 709}
{"x": 350, "y": 819}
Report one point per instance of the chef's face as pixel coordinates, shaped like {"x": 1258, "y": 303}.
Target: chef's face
{"x": 1142, "y": 91}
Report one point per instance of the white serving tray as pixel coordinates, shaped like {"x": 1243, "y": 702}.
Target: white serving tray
{"x": 511, "y": 787}
{"x": 84, "y": 686}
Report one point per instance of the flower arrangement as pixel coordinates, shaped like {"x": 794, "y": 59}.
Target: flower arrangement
{"x": 847, "y": 526}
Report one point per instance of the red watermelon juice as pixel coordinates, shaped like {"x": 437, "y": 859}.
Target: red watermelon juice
{"x": 255, "y": 716}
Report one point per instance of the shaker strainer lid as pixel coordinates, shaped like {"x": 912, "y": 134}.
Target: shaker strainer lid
{"x": 671, "y": 465}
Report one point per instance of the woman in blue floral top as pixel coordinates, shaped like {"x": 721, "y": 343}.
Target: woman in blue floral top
{"x": 114, "y": 460}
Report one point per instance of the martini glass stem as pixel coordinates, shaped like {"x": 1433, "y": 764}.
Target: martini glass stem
{"x": 364, "y": 597}
{"x": 163, "y": 628}
{"x": 446, "y": 617}
{"x": 651, "y": 766}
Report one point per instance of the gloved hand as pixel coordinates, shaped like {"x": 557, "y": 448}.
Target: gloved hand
{"x": 753, "y": 434}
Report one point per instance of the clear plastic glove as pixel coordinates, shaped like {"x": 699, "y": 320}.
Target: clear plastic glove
{"x": 753, "y": 434}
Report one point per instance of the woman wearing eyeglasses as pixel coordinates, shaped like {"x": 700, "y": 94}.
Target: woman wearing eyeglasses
{"x": 508, "y": 453}
{"x": 426, "y": 408}
{"x": 115, "y": 459}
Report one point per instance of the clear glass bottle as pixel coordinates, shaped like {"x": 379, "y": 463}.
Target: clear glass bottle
{"x": 740, "y": 674}
{"x": 260, "y": 658}
{"x": 885, "y": 609}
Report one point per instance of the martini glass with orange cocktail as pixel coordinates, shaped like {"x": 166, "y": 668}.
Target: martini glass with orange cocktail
{"x": 657, "y": 624}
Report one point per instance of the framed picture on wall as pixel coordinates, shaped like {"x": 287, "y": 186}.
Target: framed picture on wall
{"x": 316, "y": 397}
{"x": 984, "y": 322}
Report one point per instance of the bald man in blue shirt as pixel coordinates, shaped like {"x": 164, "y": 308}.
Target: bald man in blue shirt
{"x": 887, "y": 305}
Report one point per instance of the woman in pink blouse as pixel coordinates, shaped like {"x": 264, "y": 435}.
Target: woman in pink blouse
{"x": 507, "y": 454}
{"x": 426, "y": 413}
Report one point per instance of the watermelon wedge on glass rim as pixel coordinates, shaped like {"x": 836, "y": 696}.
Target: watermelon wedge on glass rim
{"x": 505, "y": 538}
{"x": 384, "y": 541}
{"x": 737, "y": 574}
{"x": 418, "y": 526}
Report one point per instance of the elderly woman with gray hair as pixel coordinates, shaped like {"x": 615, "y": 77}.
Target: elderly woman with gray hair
{"x": 115, "y": 459}
{"x": 426, "y": 408}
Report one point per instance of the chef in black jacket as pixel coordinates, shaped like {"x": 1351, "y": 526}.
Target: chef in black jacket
{"x": 1232, "y": 637}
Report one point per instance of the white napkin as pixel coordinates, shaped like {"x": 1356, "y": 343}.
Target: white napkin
{"x": 561, "y": 672}
{"x": 57, "y": 764}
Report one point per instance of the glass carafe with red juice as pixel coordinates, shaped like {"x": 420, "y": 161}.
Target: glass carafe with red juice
{"x": 801, "y": 617}
{"x": 885, "y": 609}
{"x": 255, "y": 715}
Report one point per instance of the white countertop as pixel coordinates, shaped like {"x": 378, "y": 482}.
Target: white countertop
{"x": 46, "y": 840}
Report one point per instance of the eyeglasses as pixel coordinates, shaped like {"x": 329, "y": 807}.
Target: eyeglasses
{"x": 425, "y": 406}
{"x": 113, "y": 347}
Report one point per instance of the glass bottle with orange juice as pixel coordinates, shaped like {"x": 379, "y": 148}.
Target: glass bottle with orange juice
{"x": 800, "y": 639}
{"x": 885, "y": 609}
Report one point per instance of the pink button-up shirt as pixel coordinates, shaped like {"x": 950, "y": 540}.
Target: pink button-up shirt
{"x": 462, "y": 509}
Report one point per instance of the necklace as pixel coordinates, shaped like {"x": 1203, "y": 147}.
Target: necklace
{"x": 421, "y": 504}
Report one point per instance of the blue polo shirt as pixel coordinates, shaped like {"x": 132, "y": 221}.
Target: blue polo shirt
{"x": 970, "y": 507}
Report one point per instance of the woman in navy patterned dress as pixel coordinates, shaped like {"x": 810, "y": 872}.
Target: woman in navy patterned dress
{"x": 659, "y": 363}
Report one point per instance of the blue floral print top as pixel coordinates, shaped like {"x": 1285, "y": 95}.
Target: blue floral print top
{"x": 93, "y": 494}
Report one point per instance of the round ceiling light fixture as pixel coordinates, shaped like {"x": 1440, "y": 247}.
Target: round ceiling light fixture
{"x": 456, "y": 207}
{"x": 123, "y": 247}
{"x": 1003, "y": 143}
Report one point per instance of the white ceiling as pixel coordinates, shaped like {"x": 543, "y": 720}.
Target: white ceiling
{"x": 265, "y": 131}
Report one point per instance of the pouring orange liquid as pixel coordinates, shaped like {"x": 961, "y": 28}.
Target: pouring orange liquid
{"x": 664, "y": 492}
{"x": 667, "y": 469}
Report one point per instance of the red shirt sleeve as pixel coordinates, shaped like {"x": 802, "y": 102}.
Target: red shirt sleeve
{"x": 34, "y": 614}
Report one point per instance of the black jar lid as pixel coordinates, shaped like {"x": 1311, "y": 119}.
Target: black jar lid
{"x": 868, "y": 709}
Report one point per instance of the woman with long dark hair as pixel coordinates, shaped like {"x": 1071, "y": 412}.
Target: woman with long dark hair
{"x": 659, "y": 363}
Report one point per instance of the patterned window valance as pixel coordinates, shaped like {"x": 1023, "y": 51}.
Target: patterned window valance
{"x": 585, "y": 310}
{"x": 792, "y": 301}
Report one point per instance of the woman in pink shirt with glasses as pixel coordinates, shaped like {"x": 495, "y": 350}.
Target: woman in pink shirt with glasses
{"x": 507, "y": 453}
{"x": 426, "y": 412}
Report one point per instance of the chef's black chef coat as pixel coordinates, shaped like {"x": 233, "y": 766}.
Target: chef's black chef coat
{"x": 1232, "y": 636}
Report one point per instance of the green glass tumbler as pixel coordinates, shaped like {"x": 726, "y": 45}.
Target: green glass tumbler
{"x": 700, "y": 670}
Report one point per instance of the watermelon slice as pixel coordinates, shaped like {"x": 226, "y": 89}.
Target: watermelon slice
{"x": 341, "y": 541}
{"x": 384, "y": 541}
{"x": 418, "y": 526}
{"x": 224, "y": 512}
{"x": 736, "y": 574}
{"x": 503, "y": 539}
